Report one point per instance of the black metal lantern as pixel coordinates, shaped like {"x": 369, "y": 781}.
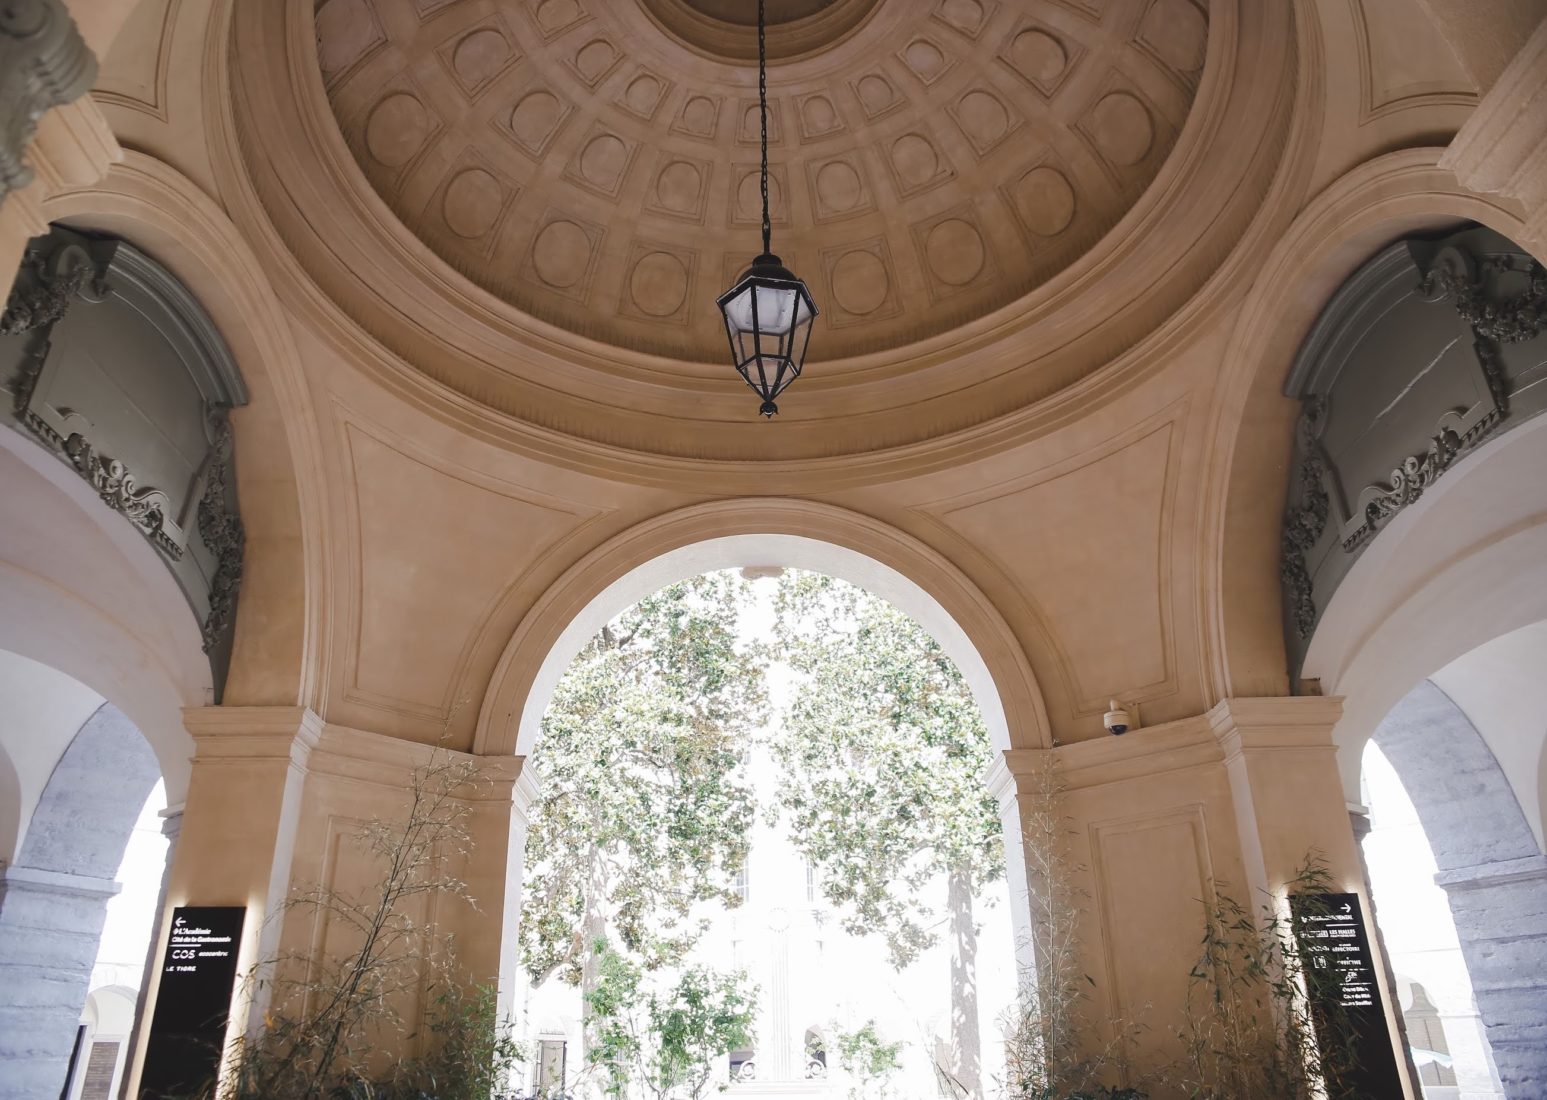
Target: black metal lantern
{"x": 768, "y": 313}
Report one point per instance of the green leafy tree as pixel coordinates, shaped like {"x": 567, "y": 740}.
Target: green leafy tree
{"x": 645, "y": 808}
{"x": 869, "y": 1060}
{"x": 666, "y": 1040}
{"x": 703, "y": 1017}
{"x": 883, "y": 749}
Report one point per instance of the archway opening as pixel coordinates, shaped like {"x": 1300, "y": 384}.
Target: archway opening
{"x": 1446, "y": 1036}
{"x": 80, "y": 888}
{"x": 760, "y": 810}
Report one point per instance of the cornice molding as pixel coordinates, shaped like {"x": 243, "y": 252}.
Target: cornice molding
{"x": 1151, "y": 750}
{"x": 1292, "y": 723}
{"x": 248, "y": 735}
{"x": 1227, "y": 732}
{"x": 362, "y": 755}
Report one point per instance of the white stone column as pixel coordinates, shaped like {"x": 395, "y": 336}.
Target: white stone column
{"x": 523, "y": 793}
{"x": 50, "y": 925}
{"x": 1011, "y": 782}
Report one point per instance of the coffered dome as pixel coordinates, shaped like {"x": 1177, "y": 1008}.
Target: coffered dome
{"x": 595, "y": 164}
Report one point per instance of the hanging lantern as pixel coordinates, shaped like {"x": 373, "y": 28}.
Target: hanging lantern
{"x": 768, "y": 313}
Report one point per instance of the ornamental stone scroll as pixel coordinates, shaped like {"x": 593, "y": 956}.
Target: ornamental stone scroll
{"x": 1430, "y": 349}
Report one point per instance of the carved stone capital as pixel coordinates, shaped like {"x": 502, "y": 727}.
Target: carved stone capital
{"x": 44, "y": 63}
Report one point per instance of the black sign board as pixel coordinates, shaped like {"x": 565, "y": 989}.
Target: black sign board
{"x": 1346, "y": 1001}
{"x": 198, "y": 976}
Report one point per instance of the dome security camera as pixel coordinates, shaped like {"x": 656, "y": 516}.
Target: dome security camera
{"x": 1120, "y": 719}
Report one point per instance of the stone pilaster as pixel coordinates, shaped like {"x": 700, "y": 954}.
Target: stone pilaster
{"x": 355, "y": 776}
{"x": 1288, "y": 805}
{"x": 238, "y": 829}
{"x": 523, "y": 793}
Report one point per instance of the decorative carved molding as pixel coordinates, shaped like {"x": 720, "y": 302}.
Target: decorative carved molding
{"x": 43, "y": 63}
{"x": 1501, "y": 294}
{"x": 54, "y": 269}
{"x": 221, "y": 529}
{"x": 145, "y": 508}
{"x": 54, "y": 272}
{"x": 1307, "y": 517}
{"x": 1405, "y": 485}
{"x": 1472, "y": 284}
{"x": 1456, "y": 274}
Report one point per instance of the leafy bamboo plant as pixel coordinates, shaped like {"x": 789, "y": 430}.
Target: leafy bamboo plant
{"x": 1048, "y": 1050}
{"x": 1261, "y": 1023}
{"x": 334, "y": 1028}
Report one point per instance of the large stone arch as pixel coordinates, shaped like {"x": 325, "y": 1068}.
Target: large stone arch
{"x": 774, "y": 531}
{"x": 53, "y": 899}
{"x": 84, "y": 593}
{"x": 278, "y": 466}
{"x": 761, "y": 532}
{"x": 1251, "y": 422}
{"x": 1490, "y": 866}
{"x": 1463, "y": 565}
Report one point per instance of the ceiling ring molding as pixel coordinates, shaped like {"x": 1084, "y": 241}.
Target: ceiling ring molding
{"x": 526, "y": 373}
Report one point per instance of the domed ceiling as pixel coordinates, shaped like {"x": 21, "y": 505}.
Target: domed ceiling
{"x": 595, "y": 163}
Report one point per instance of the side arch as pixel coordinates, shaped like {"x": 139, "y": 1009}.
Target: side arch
{"x": 278, "y": 460}
{"x": 53, "y": 899}
{"x": 1490, "y": 867}
{"x": 82, "y": 822}
{"x": 730, "y": 533}
{"x": 1252, "y": 421}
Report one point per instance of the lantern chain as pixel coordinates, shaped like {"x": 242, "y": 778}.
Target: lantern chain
{"x": 762, "y": 101}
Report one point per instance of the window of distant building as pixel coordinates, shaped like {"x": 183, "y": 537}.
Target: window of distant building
{"x": 743, "y": 1065}
{"x": 1426, "y": 1037}
{"x": 550, "y": 1067}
